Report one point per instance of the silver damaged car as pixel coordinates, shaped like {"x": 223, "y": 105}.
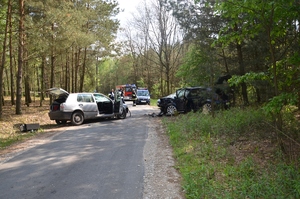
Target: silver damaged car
{"x": 78, "y": 107}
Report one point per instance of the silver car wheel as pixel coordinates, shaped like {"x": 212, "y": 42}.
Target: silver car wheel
{"x": 123, "y": 114}
{"x": 77, "y": 118}
{"x": 171, "y": 110}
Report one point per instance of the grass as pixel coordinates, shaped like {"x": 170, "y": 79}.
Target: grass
{"x": 153, "y": 102}
{"x": 234, "y": 155}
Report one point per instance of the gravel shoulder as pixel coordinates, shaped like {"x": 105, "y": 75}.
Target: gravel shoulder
{"x": 161, "y": 180}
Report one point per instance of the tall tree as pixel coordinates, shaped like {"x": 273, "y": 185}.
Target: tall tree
{"x": 21, "y": 40}
{"x": 11, "y": 64}
{"x": 155, "y": 27}
{"x": 4, "y": 55}
{"x": 277, "y": 21}
{"x": 201, "y": 24}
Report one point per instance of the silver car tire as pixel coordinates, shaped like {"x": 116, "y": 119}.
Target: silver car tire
{"x": 123, "y": 114}
{"x": 60, "y": 122}
{"x": 77, "y": 118}
{"x": 171, "y": 110}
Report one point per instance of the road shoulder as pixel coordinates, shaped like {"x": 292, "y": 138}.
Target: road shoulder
{"x": 161, "y": 179}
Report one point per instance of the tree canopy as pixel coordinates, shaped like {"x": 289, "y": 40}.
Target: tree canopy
{"x": 166, "y": 45}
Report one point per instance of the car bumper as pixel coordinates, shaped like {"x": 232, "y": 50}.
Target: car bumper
{"x": 59, "y": 115}
{"x": 143, "y": 101}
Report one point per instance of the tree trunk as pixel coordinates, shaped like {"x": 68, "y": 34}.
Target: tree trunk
{"x": 225, "y": 61}
{"x": 298, "y": 100}
{"x": 77, "y": 64}
{"x": 83, "y": 71}
{"x": 42, "y": 84}
{"x": 27, "y": 80}
{"x": 3, "y": 56}
{"x": 73, "y": 69}
{"x": 52, "y": 77}
{"x": 277, "y": 116}
{"x": 242, "y": 69}
{"x": 27, "y": 91}
{"x": 67, "y": 75}
{"x": 12, "y": 85}
{"x": 20, "y": 56}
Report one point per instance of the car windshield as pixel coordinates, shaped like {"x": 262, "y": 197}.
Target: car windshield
{"x": 142, "y": 93}
{"x": 101, "y": 98}
{"x": 171, "y": 95}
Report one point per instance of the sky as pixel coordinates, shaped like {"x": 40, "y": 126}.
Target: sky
{"x": 129, "y": 6}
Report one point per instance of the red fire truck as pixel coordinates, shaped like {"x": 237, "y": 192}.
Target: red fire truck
{"x": 127, "y": 90}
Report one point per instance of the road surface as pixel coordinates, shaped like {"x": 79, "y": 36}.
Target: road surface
{"x": 99, "y": 159}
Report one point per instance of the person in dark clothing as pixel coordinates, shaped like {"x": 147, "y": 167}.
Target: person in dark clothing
{"x": 134, "y": 97}
{"x": 122, "y": 95}
{"x": 111, "y": 94}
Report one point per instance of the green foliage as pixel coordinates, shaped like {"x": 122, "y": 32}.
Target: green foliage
{"x": 206, "y": 151}
{"x": 3, "y": 10}
{"x": 271, "y": 24}
{"x": 197, "y": 68}
{"x": 276, "y": 104}
{"x": 288, "y": 73}
{"x": 236, "y": 80}
{"x": 256, "y": 16}
{"x": 141, "y": 82}
{"x": 63, "y": 30}
{"x": 155, "y": 92}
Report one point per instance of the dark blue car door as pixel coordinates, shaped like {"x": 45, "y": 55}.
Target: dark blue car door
{"x": 180, "y": 99}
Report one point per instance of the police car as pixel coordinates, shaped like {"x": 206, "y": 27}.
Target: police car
{"x": 143, "y": 96}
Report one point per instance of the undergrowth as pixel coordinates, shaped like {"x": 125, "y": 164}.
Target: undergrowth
{"x": 233, "y": 155}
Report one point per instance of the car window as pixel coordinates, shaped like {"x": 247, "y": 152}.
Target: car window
{"x": 180, "y": 93}
{"x": 85, "y": 98}
{"x": 142, "y": 93}
{"x": 204, "y": 93}
{"x": 187, "y": 93}
{"x": 195, "y": 93}
{"x": 79, "y": 98}
{"x": 101, "y": 98}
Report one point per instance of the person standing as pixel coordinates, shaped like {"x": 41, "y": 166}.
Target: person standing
{"x": 122, "y": 95}
{"x": 112, "y": 94}
{"x": 134, "y": 97}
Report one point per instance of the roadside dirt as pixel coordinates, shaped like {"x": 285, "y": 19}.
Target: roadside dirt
{"x": 19, "y": 147}
{"x": 161, "y": 180}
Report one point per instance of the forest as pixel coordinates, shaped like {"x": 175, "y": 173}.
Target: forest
{"x": 168, "y": 44}
{"x": 248, "y": 151}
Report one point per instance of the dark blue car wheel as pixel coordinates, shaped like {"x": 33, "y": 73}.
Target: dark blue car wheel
{"x": 171, "y": 109}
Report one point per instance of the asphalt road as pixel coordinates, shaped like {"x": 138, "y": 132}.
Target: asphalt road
{"x": 99, "y": 159}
